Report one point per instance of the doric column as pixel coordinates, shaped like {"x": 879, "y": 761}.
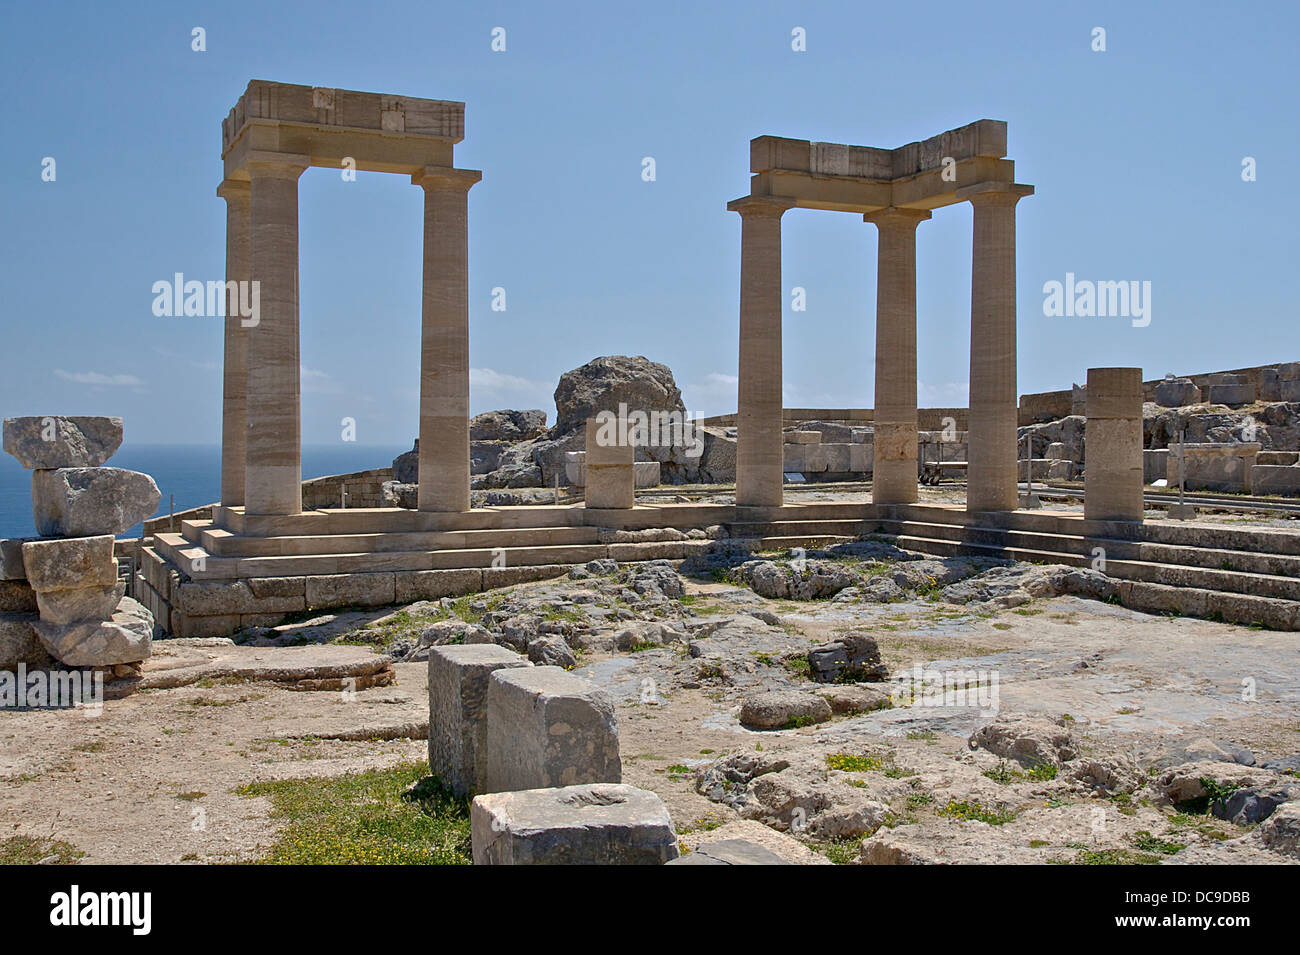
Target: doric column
{"x": 893, "y": 477}
{"x": 991, "y": 471}
{"x": 235, "y": 363}
{"x": 444, "y": 340}
{"x": 1112, "y": 445}
{"x": 273, "y": 470}
{"x": 760, "y": 455}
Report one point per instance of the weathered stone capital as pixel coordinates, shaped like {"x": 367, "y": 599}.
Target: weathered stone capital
{"x": 994, "y": 192}
{"x": 235, "y": 190}
{"x": 261, "y": 164}
{"x": 774, "y": 206}
{"x": 897, "y": 217}
{"x": 446, "y": 178}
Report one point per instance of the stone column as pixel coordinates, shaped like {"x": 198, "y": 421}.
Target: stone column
{"x": 760, "y": 455}
{"x": 992, "y": 469}
{"x": 273, "y": 471}
{"x": 894, "y": 474}
{"x": 444, "y": 340}
{"x": 1112, "y": 476}
{"x": 234, "y": 422}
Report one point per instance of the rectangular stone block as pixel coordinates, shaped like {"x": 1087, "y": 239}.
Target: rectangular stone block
{"x": 206, "y": 598}
{"x": 458, "y": 711}
{"x": 494, "y": 577}
{"x": 82, "y": 603}
{"x": 861, "y": 457}
{"x": 1275, "y": 479}
{"x": 11, "y": 558}
{"x": 70, "y": 563}
{"x": 548, "y": 728}
{"x": 347, "y": 590}
{"x": 599, "y": 824}
{"x": 183, "y": 625}
{"x": 803, "y": 437}
{"x": 263, "y": 587}
{"x": 414, "y": 585}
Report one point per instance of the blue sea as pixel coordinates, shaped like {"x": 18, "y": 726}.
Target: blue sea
{"x": 189, "y": 473}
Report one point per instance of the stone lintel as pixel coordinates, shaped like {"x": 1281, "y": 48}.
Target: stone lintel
{"x": 325, "y": 108}
{"x": 985, "y": 138}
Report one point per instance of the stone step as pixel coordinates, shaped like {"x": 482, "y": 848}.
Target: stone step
{"x": 222, "y": 543}
{"x": 1237, "y": 582}
{"x": 853, "y": 527}
{"x": 196, "y": 562}
{"x": 1280, "y": 565}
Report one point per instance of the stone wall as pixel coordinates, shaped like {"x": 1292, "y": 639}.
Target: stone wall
{"x": 364, "y": 489}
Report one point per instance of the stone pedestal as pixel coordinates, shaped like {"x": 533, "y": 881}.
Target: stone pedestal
{"x": 444, "y": 340}
{"x": 546, "y": 728}
{"x": 1113, "y": 466}
{"x": 894, "y": 472}
{"x": 599, "y": 824}
{"x": 458, "y": 691}
{"x": 759, "y": 454}
{"x": 273, "y": 452}
{"x": 609, "y": 469}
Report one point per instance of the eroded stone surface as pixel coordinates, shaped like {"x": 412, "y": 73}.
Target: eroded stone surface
{"x": 548, "y": 728}
{"x": 73, "y": 442}
{"x": 70, "y": 564}
{"x": 123, "y": 638}
{"x": 83, "y": 502}
{"x": 591, "y": 824}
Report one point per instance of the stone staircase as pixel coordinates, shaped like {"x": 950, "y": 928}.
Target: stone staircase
{"x": 1240, "y": 575}
{"x": 218, "y": 575}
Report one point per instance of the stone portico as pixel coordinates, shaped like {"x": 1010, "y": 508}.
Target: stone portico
{"x": 271, "y": 136}
{"x": 896, "y": 190}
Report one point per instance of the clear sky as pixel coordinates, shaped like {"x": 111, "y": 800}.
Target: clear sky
{"x": 1136, "y": 153}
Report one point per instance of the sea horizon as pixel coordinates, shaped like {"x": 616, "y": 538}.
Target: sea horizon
{"x": 187, "y": 475}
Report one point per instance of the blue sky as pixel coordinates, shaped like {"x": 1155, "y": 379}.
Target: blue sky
{"x": 1136, "y": 154}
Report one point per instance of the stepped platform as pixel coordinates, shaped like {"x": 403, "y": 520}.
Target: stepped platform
{"x": 232, "y": 571}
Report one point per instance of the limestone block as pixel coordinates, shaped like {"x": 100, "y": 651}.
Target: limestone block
{"x": 207, "y": 598}
{"x": 1113, "y": 439}
{"x": 81, "y": 603}
{"x": 1275, "y": 479}
{"x": 346, "y": 590}
{"x": 826, "y": 457}
{"x": 546, "y": 728}
{"x": 795, "y": 457}
{"x": 600, "y": 824}
{"x": 70, "y": 564}
{"x": 73, "y": 442}
{"x": 647, "y": 473}
{"x": 509, "y": 576}
{"x": 861, "y": 457}
{"x": 11, "y": 558}
{"x": 81, "y": 502}
{"x": 458, "y": 711}
{"x": 414, "y": 585}
{"x": 1056, "y": 452}
{"x": 1155, "y": 465}
{"x": 124, "y": 638}
{"x": 803, "y": 437}
{"x": 1216, "y": 466}
{"x": 1177, "y": 392}
{"x": 17, "y": 596}
{"x": 1226, "y": 389}
{"x": 19, "y": 642}
{"x": 861, "y": 436}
